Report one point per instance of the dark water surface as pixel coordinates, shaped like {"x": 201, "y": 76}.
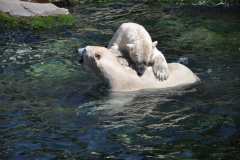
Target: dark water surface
{"x": 50, "y": 108}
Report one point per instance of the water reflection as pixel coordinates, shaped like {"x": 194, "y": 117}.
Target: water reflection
{"x": 51, "y": 108}
{"x": 135, "y": 120}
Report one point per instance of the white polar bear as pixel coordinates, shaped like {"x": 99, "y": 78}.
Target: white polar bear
{"x": 105, "y": 66}
{"x": 132, "y": 41}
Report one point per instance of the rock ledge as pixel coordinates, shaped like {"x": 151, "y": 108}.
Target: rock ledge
{"x": 19, "y": 8}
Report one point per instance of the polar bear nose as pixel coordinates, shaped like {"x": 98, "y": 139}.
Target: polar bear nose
{"x": 81, "y": 60}
{"x": 140, "y": 68}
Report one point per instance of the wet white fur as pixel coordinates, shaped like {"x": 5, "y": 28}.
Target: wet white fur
{"x": 132, "y": 41}
{"x": 104, "y": 65}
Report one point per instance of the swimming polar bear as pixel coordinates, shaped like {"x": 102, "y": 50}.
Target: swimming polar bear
{"x": 105, "y": 66}
{"x": 132, "y": 41}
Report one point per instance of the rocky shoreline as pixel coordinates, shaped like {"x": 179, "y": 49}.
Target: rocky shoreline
{"x": 27, "y": 9}
{"x": 12, "y": 12}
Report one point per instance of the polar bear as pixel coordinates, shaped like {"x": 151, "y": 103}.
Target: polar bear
{"x": 132, "y": 42}
{"x": 105, "y": 66}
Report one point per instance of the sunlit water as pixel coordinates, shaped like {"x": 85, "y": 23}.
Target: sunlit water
{"x": 51, "y": 108}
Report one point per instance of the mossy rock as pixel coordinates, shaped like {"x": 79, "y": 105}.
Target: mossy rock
{"x": 37, "y": 22}
{"x": 8, "y": 21}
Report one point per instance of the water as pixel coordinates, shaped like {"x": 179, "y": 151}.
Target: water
{"x": 50, "y": 108}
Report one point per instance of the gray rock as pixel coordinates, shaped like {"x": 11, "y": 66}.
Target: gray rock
{"x": 27, "y": 9}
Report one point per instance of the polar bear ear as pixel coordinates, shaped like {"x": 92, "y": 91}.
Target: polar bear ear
{"x": 130, "y": 47}
{"x": 154, "y": 44}
{"x": 98, "y": 56}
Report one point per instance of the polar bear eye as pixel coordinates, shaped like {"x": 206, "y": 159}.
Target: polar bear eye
{"x": 97, "y": 56}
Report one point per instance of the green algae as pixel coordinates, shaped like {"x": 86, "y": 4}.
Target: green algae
{"x": 63, "y": 65}
{"x": 197, "y": 1}
{"x": 202, "y": 38}
{"x": 169, "y": 24}
{"x": 65, "y": 47}
{"x": 51, "y": 68}
{"x": 8, "y": 21}
{"x": 37, "y": 22}
{"x": 222, "y": 27}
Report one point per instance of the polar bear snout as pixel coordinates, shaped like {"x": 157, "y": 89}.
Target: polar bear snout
{"x": 141, "y": 68}
{"x": 81, "y": 52}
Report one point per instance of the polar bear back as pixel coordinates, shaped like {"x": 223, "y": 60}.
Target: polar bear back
{"x": 179, "y": 75}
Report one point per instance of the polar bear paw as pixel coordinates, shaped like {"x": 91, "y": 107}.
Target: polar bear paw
{"x": 123, "y": 61}
{"x": 161, "y": 71}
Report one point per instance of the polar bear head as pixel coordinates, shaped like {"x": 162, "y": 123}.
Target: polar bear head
{"x": 141, "y": 52}
{"x": 100, "y": 62}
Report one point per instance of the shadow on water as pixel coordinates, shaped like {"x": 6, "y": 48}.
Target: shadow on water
{"x": 51, "y": 108}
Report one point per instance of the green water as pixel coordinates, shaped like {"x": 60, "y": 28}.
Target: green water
{"x": 51, "y": 108}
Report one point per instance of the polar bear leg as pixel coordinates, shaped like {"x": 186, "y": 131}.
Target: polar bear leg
{"x": 123, "y": 61}
{"x": 114, "y": 50}
{"x": 159, "y": 65}
{"x": 160, "y": 68}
